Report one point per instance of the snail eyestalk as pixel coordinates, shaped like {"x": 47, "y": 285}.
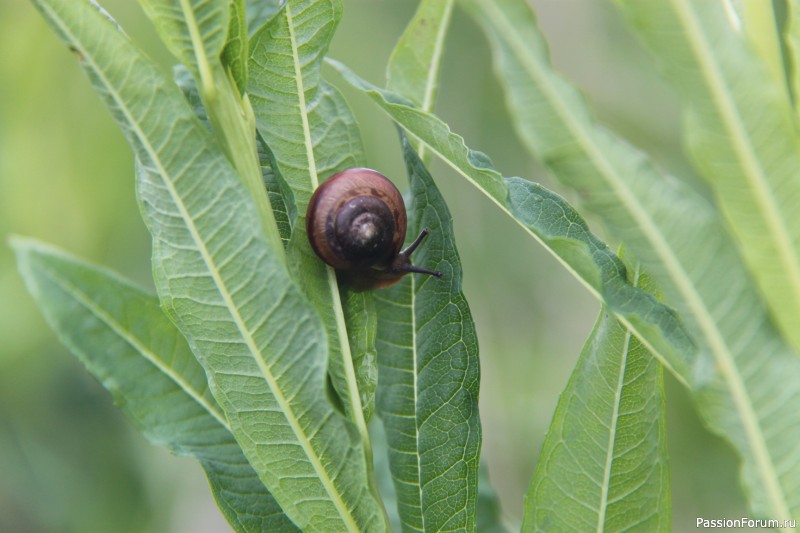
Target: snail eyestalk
{"x": 420, "y": 270}
{"x": 413, "y": 246}
{"x": 403, "y": 261}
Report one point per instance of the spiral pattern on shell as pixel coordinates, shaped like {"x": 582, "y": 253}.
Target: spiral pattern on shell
{"x": 357, "y": 219}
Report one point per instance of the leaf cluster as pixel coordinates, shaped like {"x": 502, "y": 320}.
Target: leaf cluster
{"x": 255, "y": 360}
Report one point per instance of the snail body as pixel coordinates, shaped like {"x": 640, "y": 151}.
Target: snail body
{"x": 356, "y": 223}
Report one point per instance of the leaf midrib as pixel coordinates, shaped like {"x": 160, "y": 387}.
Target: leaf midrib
{"x": 89, "y": 304}
{"x": 415, "y": 368}
{"x": 197, "y": 46}
{"x": 305, "y": 444}
{"x": 612, "y": 436}
{"x": 301, "y": 97}
{"x": 755, "y": 175}
{"x": 725, "y": 359}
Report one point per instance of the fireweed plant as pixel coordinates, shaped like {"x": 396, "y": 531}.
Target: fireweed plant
{"x": 263, "y": 364}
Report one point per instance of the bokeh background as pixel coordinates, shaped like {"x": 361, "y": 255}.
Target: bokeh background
{"x": 69, "y": 461}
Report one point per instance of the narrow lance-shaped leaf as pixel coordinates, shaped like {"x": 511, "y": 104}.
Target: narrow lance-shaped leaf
{"x": 312, "y": 134}
{"x": 428, "y": 374}
{"x": 759, "y": 23}
{"x": 791, "y": 38}
{"x": 553, "y": 222}
{"x": 276, "y": 190}
{"x": 603, "y": 466}
{"x": 681, "y": 242}
{"x": 261, "y": 344}
{"x": 119, "y": 332}
{"x": 362, "y": 325}
{"x": 741, "y": 135}
{"x": 413, "y": 70}
{"x": 236, "y": 51}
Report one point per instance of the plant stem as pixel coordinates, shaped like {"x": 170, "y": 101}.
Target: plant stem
{"x": 234, "y": 125}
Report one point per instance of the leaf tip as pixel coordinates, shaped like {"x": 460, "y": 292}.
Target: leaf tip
{"x": 22, "y": 247}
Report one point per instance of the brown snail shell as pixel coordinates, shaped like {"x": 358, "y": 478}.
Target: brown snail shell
{"x": 356, "y": 223}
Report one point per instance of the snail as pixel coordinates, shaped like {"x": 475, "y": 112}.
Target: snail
{"x": 356, "y": 223}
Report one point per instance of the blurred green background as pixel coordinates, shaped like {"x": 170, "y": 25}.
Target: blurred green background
{"x": 69, "y": 461}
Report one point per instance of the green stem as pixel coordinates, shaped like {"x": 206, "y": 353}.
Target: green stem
{"x": 233, "y": 122}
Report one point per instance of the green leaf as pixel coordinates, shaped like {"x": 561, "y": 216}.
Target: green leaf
{"x": 413, "y": 70}
{"x": 489, "y": 514}
{"x": 761, "y": 27}
{"x": 261, "y": 344}
{"x": 236, "y": 51}
{"x": 273, "y": 183}
{"x": 741, "y": 135}
{"x": 681, "y": 242}
{"x": 603, "y": 466}
{"x": 383, "y": 474}
{"x": 119, "y": 332}
{"x": 184, "y": 80}
{"x": 553, "y": 222}
{"x": 312, "y": 134}
{"x": 277, "y": 190}
{"x": 429, "y": 372}
{"x": 362, "y": 327}
{"x": 259, "y": 12}
{"x": 304, "y": 120}
{"x": 792, "y": 48}
{"x": 195, "y": 31}
{"x": 488, "y": 507}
